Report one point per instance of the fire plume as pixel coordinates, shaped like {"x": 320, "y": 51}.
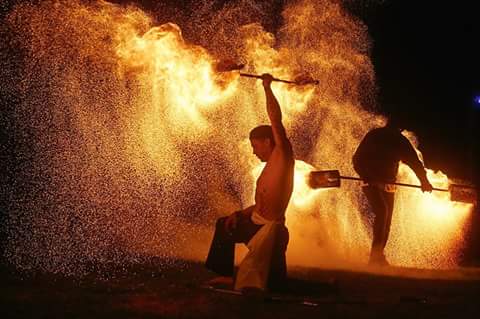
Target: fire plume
{"x": 181, "y": 75}
{"x": 136, "y": 143}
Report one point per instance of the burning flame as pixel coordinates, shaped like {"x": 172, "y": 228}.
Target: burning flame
{"x": 259, "y": 47}
{"x": 138, "y": 144}
{"x": 426, "y": 224}
{"x": 181, "y": 75}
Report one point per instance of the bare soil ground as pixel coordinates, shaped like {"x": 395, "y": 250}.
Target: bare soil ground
{"x": 151, "y": 289}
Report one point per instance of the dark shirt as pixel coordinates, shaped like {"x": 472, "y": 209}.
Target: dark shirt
{"x": 377, "y": 157}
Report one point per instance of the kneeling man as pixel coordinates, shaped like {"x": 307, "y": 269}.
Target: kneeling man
{"x": 261, "y": 226}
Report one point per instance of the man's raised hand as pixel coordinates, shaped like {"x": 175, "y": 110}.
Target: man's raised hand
{"x": 267, "y": 79}
{"x": 426, "y": 186}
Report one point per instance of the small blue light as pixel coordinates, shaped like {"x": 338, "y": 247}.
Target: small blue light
{"x": 476, "y": 102}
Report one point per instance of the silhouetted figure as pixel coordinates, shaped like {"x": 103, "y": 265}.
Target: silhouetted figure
{"x": 266, "y": 218}
{"x": 376, "y": 161}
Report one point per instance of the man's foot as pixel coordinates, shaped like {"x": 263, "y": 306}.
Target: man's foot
{"x": 378, "y": 261}
{"x": 383, "y": 263}
{"x": 221, "y": 281}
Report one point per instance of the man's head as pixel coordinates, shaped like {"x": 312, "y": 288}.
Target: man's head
{"x": 262, "y": 142}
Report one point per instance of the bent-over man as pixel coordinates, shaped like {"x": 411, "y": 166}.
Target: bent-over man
{"x": 376, "y": 161}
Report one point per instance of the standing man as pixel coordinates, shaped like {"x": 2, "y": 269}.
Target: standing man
{"x": 272, "y": 194}
{"x": 376, "y": 162}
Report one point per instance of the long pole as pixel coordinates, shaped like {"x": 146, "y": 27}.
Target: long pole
{"x": 399, "y": 184}
{"x": 248, "y": 75}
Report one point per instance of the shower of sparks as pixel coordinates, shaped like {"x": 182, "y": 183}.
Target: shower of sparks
{"x": 137, "y": 144}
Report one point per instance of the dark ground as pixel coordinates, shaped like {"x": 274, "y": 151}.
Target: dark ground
{"x": 145, "y": 291}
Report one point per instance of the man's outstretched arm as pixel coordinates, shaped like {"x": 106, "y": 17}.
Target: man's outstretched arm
{"x": 410, "y": 158}
{"x": 274, "y": 113}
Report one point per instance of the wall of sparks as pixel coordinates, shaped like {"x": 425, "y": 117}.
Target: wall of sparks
{"x": 135, "y": 145}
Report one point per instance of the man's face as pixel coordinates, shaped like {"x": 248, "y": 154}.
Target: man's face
{"x": 262, "y": 148}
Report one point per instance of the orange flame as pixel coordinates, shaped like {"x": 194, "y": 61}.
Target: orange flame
{"x": 426, "y": 224}
{"x": 145, "y": 130}
{"x": 181, "y": 75}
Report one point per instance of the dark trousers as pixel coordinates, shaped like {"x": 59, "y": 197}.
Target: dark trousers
{"x": 381, "y": 203}
{"x": 220, "y": 258}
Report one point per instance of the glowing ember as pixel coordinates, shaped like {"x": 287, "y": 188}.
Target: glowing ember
{"x": 136, "y": 145}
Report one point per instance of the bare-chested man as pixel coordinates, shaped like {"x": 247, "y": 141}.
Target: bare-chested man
{"x": 274, "y": 189}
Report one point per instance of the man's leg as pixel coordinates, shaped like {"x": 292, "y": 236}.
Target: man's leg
{"x": 379, "y": 209}
{"x": 221, "y": 255}
{"x": 266, "y": 251}
{"x": 220, "y": 258}
{"x": 278, "y": 271}
{"x": 388, "y": 198}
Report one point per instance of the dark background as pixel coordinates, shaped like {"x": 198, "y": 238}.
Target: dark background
{"x": 426, "y": 63}
{"x": 427, "y": 70}
{"x": 427, "y": 67}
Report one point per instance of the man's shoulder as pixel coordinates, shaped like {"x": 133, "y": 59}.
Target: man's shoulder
{"x": 284, "y": 151}
{"x": 379, "y": 130}
{"x": 372, "y": 133}
{"x": 384, "y": 133}
{"x": 285, "y": 147}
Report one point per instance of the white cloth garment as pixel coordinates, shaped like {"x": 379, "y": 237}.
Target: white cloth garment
{"x": 255, "y": 267}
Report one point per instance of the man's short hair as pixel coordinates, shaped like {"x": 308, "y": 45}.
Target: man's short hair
{"x": 262, "y": 132}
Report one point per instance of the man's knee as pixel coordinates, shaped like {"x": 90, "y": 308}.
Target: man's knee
{"x": 220, "y": 228}
{"x": 220, "y": 222}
